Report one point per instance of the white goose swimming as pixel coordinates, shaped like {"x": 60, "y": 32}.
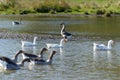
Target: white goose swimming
{"x": 44, "y": 62}
{"x": 65, "y": 35}
{"x": 10, "y": 65}
{"x": 103, "y": 47}
{"x": 52, "y": 45}
{"x": 27, "y": 43}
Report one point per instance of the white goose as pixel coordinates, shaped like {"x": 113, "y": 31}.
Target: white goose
{"x": 52, "y": 45}
{"x": 44, "y": 62}
{"x": 10, "y": 65}
{"x": 103, "y": 47}
{"x": 27, "y": 43}
{"x": 65, "y": 35}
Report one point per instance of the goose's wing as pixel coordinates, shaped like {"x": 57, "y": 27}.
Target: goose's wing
{"x": 52, "y": 45}
{"x": 26, "y": 43}
{"x": 67, "y": 33}
{"x": 30, "y": 55}
{"x": 100, "y": 45}
{"x": 9, "y": 61}
{"x": 12, "y": 67}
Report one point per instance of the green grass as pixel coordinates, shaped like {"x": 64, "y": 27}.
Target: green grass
{"x": 98, "y": 7}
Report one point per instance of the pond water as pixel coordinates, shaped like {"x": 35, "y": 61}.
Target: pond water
{"x": 76, "y": 60}
{"x": 90, "y": 26}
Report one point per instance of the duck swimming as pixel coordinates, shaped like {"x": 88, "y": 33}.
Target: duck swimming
{"x": 16, "y": 22}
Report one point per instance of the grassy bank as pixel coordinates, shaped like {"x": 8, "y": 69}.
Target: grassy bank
{"x": 98, "y": 7}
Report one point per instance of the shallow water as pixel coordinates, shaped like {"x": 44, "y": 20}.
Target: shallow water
{"x": 87, "y": 26}
{"x": 76, "y": 60}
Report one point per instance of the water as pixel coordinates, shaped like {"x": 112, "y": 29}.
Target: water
{"x": 89, "y": 26}
{"x": 76, "y": 60}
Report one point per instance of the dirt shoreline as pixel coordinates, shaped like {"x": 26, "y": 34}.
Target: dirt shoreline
{"x": 7, "y": 34}
{"x": 58, "y": 15}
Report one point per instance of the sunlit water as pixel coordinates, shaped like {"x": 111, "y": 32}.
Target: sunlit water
{"x": 76, "y": 60}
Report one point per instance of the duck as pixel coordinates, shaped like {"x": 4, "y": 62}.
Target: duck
{"x": 103, "y": 47}
{"x": 64, "y": 34}
{"x": 31, "y": 56}
{"x": 16, "y": 22}
{"x": 27, "y": 43}
{"x": 53, "y": 45}
{"x": 10, "y": 65}
{"x": 44, "y": 62}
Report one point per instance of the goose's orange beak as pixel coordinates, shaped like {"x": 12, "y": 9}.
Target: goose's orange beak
{"x": 65, "y": 40}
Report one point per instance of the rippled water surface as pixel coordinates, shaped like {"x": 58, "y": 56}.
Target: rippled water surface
{"x": 76, "y": 60}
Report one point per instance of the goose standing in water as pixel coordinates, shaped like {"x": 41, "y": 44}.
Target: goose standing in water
{"x": 10, "y": 65}
{"x": 44, "y": 62}
{"x": 52, "y": 45}
{"x": 65, "y": 35}
{"x": 27, "y": 43}
{"x": 103, "y": 47}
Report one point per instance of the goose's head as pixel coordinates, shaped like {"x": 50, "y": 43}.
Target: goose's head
{"x": 54, "y": 52}
{"x": 110, "y": 42}
{"x": 62, "y": 24}
{"x": 20, "y": 51}
{"x": 35, "y": 37}
{"x": 3, "y": 58}
{"x": 44, "y": 49}
{"x": 6, "y": 59}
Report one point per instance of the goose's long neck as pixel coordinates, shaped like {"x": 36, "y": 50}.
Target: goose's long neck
{"x": 9, "y": 61}
{"x": 34, "y": 41}
{"x": 16, "y": 57}
{"x": 51, "y": 57}
{"x": 63, "y": 28}
{"x": 23, "y": 61}
{"x": 109, "y": 45}
{"x": 41, "y": 53}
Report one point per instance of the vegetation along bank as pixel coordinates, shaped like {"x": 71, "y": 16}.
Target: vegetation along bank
{"x": 87, "y": 7}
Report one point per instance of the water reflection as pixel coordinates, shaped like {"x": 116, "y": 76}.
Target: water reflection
{"x": 109, "y": 58}
{"x": 7, "y": 72}
{"x": 103, "y": 59}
